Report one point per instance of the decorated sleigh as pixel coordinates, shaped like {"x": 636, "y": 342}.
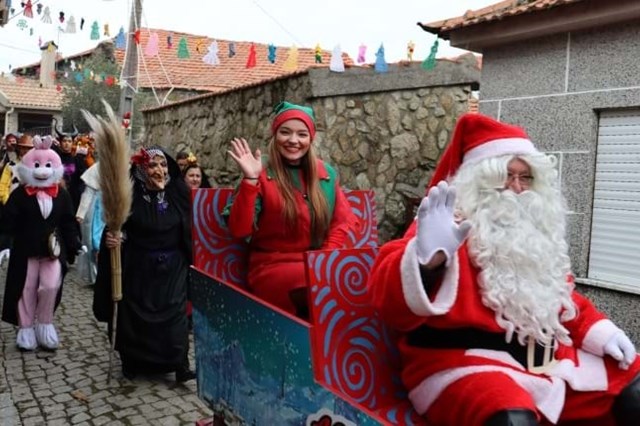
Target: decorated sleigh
{"x": 261, "y": 366}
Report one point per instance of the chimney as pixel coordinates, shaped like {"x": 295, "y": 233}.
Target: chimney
{"x": 4, "y": 13}
{"x": 48, "y": 64}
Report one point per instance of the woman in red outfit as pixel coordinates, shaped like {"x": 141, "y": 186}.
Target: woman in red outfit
{"x": 286, "y": 203}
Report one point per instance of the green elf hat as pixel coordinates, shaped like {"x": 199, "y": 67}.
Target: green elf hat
{"x": 287, "y": 111}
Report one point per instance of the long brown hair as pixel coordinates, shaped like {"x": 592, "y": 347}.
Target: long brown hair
{"x": 319, "y": 207}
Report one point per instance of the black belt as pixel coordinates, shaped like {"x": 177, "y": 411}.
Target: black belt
{"x": 472, "y": 338}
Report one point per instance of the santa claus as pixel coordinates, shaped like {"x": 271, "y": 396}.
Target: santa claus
{"x": 492, "y": 331}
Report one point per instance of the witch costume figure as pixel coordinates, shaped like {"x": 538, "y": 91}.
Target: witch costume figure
{"x": 152, "y": 330}
{"x": 39, "y": 217}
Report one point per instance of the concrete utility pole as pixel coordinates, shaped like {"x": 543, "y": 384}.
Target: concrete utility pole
{"x": 130, "y": 66}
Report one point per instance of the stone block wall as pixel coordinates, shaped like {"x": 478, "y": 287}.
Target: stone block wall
{"x": 381, "y": 131}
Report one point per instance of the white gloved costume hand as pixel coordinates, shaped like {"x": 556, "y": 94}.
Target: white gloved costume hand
{"x": 83, "y": 249}
{"x": 620, "y": 348}
{"x": 4, "y": 254}
{"x": 437, "y": 228}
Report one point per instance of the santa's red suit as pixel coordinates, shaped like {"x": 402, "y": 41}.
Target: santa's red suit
{"x": 398, "y": 293}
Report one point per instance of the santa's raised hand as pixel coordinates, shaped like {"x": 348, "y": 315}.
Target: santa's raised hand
{"x": 250, "y": 163}
{"x": 437, "y": 228}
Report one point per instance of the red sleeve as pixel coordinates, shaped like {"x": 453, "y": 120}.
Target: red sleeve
{"x": 586, "y": 316}
{"x": 343, "y": 219}
{"x": 242, "y": 212}
{"x": 385, "y": 288}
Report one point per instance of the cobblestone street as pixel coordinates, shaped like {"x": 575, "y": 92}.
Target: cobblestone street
{"x": 69, "y": 386}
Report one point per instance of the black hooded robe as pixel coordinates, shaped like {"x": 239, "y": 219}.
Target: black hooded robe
{"x": 152, "y": 332}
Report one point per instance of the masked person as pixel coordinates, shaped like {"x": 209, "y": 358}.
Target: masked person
{"x": 39, "y": 218}
{"x": 481, "y": 292}
{"x": 286, "y": 204}
{"x": 152, "y": 333}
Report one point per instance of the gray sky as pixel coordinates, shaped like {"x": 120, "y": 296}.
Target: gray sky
{"x": 348, "y": 23}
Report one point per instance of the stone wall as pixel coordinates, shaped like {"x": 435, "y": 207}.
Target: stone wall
{"x": 381, "y": 131}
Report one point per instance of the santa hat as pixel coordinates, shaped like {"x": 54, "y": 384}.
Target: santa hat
{"x": 477, "y": 137}
{"x": 286, "y": 111}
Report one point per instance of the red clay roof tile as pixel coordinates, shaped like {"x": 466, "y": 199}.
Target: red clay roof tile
{"x": 493, "y": 12}
{"x": 27, "y": 93}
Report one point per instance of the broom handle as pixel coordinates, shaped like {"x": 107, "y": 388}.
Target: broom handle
{"x": 116, "y": 273}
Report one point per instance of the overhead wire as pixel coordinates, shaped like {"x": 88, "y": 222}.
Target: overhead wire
{"x": 164, "y": 70}
{"x": 277, "y": 23}
{"x": 140, "y": 54}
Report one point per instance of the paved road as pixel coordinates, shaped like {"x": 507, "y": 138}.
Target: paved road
{"x": 69, "y": 387}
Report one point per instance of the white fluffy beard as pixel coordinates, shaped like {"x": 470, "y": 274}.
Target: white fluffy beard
{"x": 517, "y": 241}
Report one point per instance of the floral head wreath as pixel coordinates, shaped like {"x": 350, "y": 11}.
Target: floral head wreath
{"x": 142, "y": 158}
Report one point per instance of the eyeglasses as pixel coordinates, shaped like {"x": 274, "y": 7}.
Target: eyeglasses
{"x": 524, "y": 180}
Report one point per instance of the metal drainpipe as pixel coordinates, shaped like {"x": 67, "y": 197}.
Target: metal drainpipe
{"x": 6, "y": 119}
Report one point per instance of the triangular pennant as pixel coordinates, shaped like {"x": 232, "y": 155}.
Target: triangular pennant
{"x": 71, "y": 26}
{"x": 183, "y": 49}
{"x": 336, "y": 64}
{"x": 271, "y": 56}
{"x": 121, "y": 41}
{"x": 430, "y": 62}
{"x": 28, "y": 9}
{"x": 381, "y": 63}
{"x": 46, "y": 16}
{"x": 95, "y": 31}
{"x": 153, "y": 45}
{"x": 251, "y": 59}
{"x": 362, "y": 54}
{"x": 411, "y": 47}
{"x": 318, "y": 54}
{"x": 211, "y": 57}
{"x": 291, "y": 63}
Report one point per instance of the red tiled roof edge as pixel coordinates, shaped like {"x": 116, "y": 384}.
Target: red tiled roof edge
{"x": 502, "y": 10}
{"x": 230, "y": 89}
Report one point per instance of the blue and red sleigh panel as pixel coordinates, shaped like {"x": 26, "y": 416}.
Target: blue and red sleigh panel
{"x": 260, "y": 365}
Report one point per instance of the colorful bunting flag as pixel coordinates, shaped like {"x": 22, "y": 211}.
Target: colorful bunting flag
{"x": 61, "y": 17}
{"x": 362, "y": 53}
{"x": 46, "y": 16}
{"x": 381, "y": 63}
{"x": 232, "y": 49}
{"x": 71, "y": 25}
{"x": 200, "y": 45}
{"x": 336, "y": 64}
{"x": 121, "y": 41}
{"x": 28, "y": 9}
{"x": 169, "y": 41}
{"x": 318, "y": 54}
{"x": 251, "y": 59}
{"x": 183, "y": 49}
{"x": 271, "y": 56}
{"x": 430, "y": 62}
{"x": 95, "y": 31}
{"x": 411, "y": 47}
{"x": 106, "y": 33}
{"x": 153, "y": 45}
{"x": 291, "y": 64}
{"x": 211, "y": 57}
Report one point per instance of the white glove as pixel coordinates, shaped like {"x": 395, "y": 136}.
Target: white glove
{"x": 4, "y": 254}
{"x": 437, "y": 229}
{"x": 620, "y": 348}
{"x": 82, "y": 250}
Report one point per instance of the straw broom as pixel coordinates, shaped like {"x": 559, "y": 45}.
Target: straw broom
{"x": 117, "y": 189}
